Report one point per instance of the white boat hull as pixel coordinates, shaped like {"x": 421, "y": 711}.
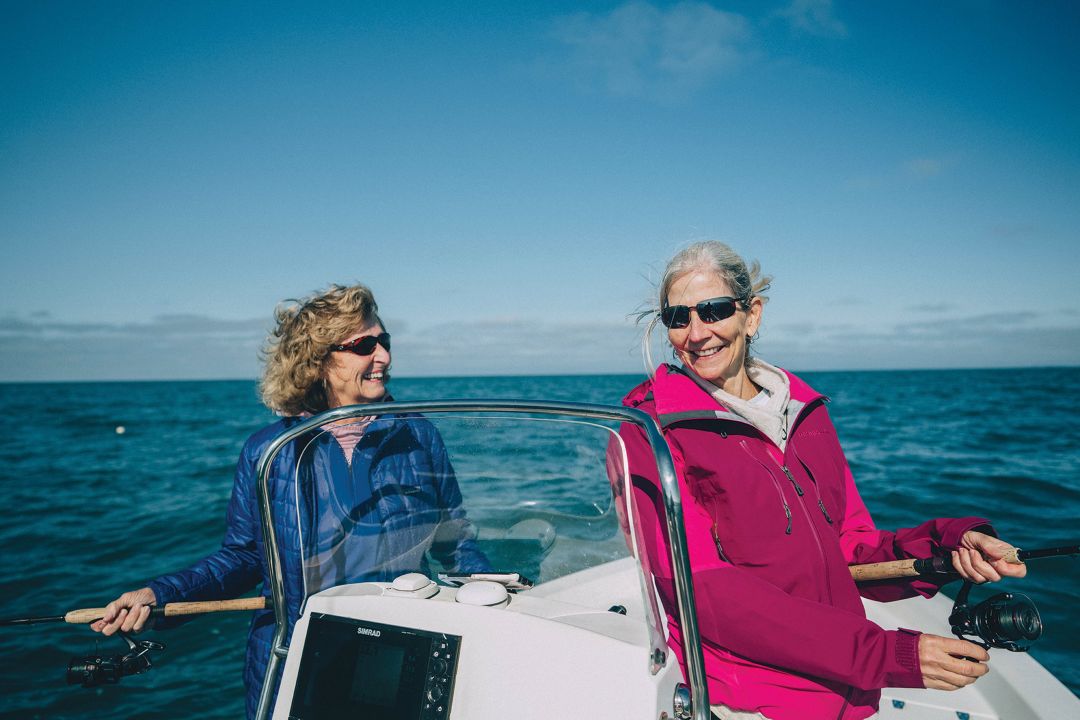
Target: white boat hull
{"x": 557, "y": 651}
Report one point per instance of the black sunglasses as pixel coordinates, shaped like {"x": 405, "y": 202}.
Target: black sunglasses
{"x": 364, "y": 345}
{"x": 709, "y": 311}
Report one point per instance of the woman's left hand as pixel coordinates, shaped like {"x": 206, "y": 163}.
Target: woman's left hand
{"x": 981, "y": 558}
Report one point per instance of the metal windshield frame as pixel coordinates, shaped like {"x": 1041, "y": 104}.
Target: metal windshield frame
{"x": 676, "y": 533}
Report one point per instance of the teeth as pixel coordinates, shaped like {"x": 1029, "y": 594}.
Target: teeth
{"x": 706, "y": 353}
{"x": 373, "y": 376}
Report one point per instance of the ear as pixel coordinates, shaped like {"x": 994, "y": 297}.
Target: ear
{"x": 753, "y": 316}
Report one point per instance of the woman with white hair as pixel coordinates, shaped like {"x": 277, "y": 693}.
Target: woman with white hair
{"x": 773, "y": 519}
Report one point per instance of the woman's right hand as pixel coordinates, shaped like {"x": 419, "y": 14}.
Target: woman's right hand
{"x": 950, "y": 663}
{"x": 127, "y": 613}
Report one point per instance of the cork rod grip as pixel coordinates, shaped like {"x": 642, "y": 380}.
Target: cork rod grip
{"x": 89, "y": 615}
{"x": 883, "y": 570}
{"x": 911, "y": 568}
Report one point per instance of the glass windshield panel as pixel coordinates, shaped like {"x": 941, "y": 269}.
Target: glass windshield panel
{"x": 379, "y": 497}
{"x": 466, "y": 492}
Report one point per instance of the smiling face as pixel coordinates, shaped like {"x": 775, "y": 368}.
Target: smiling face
{"x": 353, "y": 379}
{"x": 714, "y": 351}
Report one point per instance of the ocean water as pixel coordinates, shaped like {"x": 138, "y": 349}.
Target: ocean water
{"x": 91, "y": 512}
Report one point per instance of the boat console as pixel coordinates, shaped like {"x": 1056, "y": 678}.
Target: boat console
{"x": 476, "y": 651}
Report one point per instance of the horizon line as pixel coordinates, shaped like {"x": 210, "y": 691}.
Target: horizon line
{"x": 536, "y": 375}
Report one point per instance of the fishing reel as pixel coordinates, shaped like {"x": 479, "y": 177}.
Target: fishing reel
{"x": 1006, "y": 620}
{"x": 94, "y": 670}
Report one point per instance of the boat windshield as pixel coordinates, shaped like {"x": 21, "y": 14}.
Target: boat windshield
{"x": 536, "y": 492}
{"x": 378, "y": 497}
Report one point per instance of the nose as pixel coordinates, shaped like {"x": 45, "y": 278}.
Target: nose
{"x": 381, "y": 355}
{"x": 696, "y": 330}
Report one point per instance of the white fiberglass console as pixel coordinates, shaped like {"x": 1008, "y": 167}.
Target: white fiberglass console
{"x": 373, "y": 651}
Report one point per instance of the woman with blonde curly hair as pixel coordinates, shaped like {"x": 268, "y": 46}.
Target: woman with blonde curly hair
{"x": 326, "y": 351}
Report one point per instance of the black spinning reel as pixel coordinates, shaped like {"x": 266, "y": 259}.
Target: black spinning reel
{"x": 1006, "y": 620}
{"x": 94, "y": 670}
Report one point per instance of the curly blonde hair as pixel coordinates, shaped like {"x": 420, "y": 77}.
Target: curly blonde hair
{"x": 296, "y": 353}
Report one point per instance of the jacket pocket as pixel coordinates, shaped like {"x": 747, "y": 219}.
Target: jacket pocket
{"x": 752, "y": 519}
{"x": 817, "y": 454}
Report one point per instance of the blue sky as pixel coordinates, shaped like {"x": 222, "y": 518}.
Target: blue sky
{"x": 511, "y": 180}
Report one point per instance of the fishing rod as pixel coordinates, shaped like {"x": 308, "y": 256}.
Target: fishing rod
{"x": 1007, "y": 620}
{"x": 94, "y": 670}
{"x": 943, "y": 566}
{"x": 85, "y": 616}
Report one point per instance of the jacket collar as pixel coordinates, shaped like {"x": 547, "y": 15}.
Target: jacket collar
{"x": 675, "y": 395}
{"x": 380, "y": 429}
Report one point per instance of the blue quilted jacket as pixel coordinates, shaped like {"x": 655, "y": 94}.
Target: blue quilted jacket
{"x": 399, "y": 493}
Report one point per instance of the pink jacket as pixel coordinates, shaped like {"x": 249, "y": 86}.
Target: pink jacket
{"x": 770, "y": 537}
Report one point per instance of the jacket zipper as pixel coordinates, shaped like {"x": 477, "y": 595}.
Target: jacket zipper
{"x": 824, "y": 512}
{"x": 814, "y": 534}
{"x": 719, "y": 547}
{"x": 776, "y": 484}
{"x": 817, "y": 491}
{"x": 798, "y": 488}
{"x": 806, "y": 513}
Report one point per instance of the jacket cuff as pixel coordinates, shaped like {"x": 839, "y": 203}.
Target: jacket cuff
{"x": 162, "y": 591}
{"x": 164, "y": 594}
{"x": 954, "y": 533}
{"x": 906, "y": 670}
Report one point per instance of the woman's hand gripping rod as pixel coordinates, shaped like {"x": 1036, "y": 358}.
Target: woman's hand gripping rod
{"x": 88, "y": 615}
{"x": 941, "y": 566}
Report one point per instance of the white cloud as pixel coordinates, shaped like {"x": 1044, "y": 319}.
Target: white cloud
{"x": 1015, "y": 231}
{"x": 511, "y": 346}
{"x": 813, "y": 17}
{"x": 184, "y": 347}
{"x": 168, "y": 347}
{"x": 920, "y": 168}
{"x": 638, "y": 49}
{"x": 987, "y": 340}
{"x": 924, "y": 167}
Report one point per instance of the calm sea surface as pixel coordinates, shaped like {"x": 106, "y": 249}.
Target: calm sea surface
{"x": 91, "y": 512}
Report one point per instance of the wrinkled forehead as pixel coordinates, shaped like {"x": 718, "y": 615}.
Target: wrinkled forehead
{"x": 696, "y": 285}
{"x": 374, "y": 327}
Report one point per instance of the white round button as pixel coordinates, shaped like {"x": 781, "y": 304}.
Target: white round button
{"x": 410, "y": 582}
{"x": 413, "y": 585}
{"x": 482, "y": 592}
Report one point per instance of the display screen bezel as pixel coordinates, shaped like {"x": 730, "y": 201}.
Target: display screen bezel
{"x": 330, "y": 683}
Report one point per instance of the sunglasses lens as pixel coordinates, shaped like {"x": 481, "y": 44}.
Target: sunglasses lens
{"x": 709, "y": 311}
{"x": 363, "y": 346}
{"x": 675, "y": 316}
{"x": 712, "y": 311}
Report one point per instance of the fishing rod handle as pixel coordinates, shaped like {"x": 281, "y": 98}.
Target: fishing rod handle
{"x": 884, "y": 570}
{"x": 89, "y": 615}
{"x": 914, "y": 567}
